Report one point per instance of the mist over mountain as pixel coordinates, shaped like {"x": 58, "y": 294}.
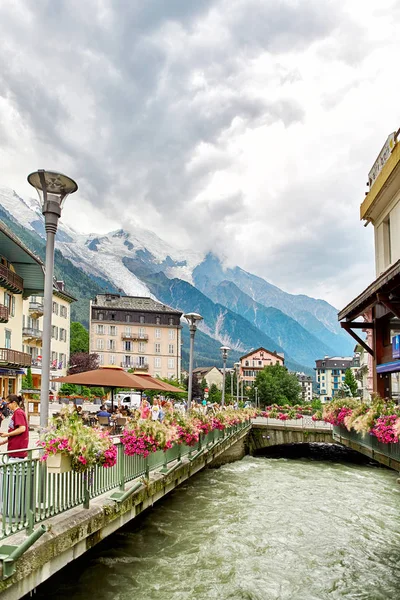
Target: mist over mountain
{"x": 240, "y": 309}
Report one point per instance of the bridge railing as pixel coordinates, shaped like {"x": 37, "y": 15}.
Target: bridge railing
{"x": 306, "y": 423}
{"x": 29, "y": 494}
{"x": 368, "y": 441}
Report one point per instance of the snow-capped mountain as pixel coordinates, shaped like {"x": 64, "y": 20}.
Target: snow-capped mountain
{"x": 237, "y": 306}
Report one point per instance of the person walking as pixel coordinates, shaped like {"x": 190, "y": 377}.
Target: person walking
{"x": 17, "y": 437}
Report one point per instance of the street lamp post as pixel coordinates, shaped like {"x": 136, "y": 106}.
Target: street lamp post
{"x": 192, "y": 319}
{"x": 53, "y": 189}
{"x": 237, "y": 370}
{"x": 256, "y": 394}
{"x": 224, "y": 351}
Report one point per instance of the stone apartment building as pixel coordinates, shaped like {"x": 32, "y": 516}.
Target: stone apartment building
{"x": 305, "y": 382}
{"x": 136, "y": 333}
{"x": 330, "y": 374}
{"x": 32, "y": 329}
{"x": 21, "y": 275}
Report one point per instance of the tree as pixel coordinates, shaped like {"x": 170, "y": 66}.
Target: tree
{"x": 27, "y": 380}
{"x": 214, "y": 395}
{"x": 69, "y": 389}
{"x": 277, "y": 386}
{"x": 79, "y": 338}
{"x": 82, "y": 361}
{"x": 350, "y": 381}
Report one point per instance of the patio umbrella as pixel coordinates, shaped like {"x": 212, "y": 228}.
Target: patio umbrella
{"x": 112, "y": 377}
{"x": 152, "y": 382}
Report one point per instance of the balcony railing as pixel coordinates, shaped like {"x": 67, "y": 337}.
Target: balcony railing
{"x": 135, "y": 365}
{"x": 3, "y": 314}
{"x": 36, "y": 308}
{"x": 10, "y": 280}
{"x": 32, "y": 332}
{"x": 14, "y": 358}
{"x": 141, "y": 337}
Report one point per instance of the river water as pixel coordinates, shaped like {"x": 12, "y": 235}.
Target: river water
{"x": 258, "y": 529}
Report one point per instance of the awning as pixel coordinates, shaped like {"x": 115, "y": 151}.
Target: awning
{"x": 26, "y": 264}
{"x": 384, "y": 284}
{"x": 390, "y": 367}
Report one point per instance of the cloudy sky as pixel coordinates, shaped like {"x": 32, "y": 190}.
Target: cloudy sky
{"x": 246, "y": 127}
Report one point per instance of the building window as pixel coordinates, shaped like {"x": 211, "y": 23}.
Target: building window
{"x": 142, "y": 347}
{"x": 157, "y": 333}
{"x": 7, "y": 338}
{"x": 128, "y": 318}
{"x": 157, "y": 362}
{"x": 171, "y": 348}
{"x": 112, "y": 359}
{"x": 54, "y": 332}
{"x": 100, "y": 329}
{"x": 157, "y": 374}
{"x": 171, "y": 363}
{"x": 142, "y": 361}
{"x": 111, "y": 345}
{"x": 157, "y": 348}
{"x": 113, "y": 330}
{"x": 171, "y": 375}
{"x": 128, "y": 346}
{"x": 158, "y": 320}
{"x": 128, "y": 330}
{"x": 142, "y": 332}
{"x": 100, "y": 316}
{"x": 170, "y": 321}
{"x": 9, "y": 301}
{"x": 141, "y": 319}
{"x": 101, "y": 359}
{"x": 171, "y": 334}
{"x": 99, "y": 344}
{"x": 55, "y": 308}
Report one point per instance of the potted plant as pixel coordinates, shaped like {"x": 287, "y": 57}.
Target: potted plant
{"x": 68, "y": 444}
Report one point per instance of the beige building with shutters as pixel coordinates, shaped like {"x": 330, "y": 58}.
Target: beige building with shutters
{"x": 136, "y": 333}
{"x": 32, "y": 330}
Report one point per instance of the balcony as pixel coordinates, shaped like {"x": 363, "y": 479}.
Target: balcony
{"x": 31, "y": 333}
{"x": 140, "y": 337}
{"x": 10, "y": 280}
{"x": 36, "y": 309}
{"x": 3, "y": 314}
{"x": 14, "y": 358}
{"x": 135, "y": 365}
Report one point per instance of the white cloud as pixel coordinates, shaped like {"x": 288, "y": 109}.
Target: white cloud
{"x": 246, "y": 127}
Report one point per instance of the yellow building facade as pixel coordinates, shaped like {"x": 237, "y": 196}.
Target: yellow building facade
{"x": 21, "y": 274}
{"x": 136, "y": 333}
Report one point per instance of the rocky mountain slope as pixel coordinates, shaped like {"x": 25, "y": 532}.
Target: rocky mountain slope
{"x": 239, "y": 309}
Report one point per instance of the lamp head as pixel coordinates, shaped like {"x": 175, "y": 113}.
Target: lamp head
{"x": 224, "y": 351}
{"x": 52, "y": 186}
{"x": 193, "y": 318}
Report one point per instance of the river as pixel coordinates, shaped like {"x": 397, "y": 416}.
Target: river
{"x": 258, "y": 529}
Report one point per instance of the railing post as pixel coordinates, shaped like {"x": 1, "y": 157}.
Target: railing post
{"x": 30, "y": 491}
{"x": 121, "y": 467}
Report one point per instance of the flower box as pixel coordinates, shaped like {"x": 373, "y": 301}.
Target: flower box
{"x": 59, "y": 463}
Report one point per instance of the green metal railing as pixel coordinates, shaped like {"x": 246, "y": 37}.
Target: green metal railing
{"x": 29, "y": 494}
{"x": 368, "y": 441}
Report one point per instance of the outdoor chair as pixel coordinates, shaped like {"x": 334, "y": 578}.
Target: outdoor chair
{"x": 119, "y": 424}
{"x": 104, "y": 421}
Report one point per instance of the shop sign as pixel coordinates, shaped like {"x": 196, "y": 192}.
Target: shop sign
{"x": 383, "y": 157}
{"x": 396, "y": 346}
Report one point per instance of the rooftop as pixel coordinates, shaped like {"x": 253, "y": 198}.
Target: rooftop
{"x": 138, "y": 303}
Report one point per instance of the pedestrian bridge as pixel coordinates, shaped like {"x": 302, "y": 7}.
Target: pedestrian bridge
{"x": 267, "y": 432}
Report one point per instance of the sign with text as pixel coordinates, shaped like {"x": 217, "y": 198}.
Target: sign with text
{"x": 383, "y": 157}
{"x": 396, "y": 346}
